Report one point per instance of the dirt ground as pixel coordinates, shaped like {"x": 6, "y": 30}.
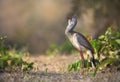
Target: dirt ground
{"x": 54, "y": 69}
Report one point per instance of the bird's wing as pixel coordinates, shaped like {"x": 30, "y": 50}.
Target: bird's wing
{"x": 84, "y": 42}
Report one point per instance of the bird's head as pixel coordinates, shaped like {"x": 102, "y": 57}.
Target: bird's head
{"x": 72, "y": 21}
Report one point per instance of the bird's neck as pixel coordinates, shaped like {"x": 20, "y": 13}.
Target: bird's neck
{"x": 69, "y": 29}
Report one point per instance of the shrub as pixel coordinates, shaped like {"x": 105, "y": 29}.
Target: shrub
{"x": 107, "y": 48}
{"x": 12, "y": 61}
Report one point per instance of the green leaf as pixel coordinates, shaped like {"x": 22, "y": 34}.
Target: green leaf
{"x": 96, "y": 70}
{"x": 108, "y": 32}
{"x": 94, "y": 43}
{"x": 101, "y": 37}
{"x": 118, "y": 41}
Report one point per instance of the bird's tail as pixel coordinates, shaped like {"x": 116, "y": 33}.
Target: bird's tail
{"x": 92, "y": 59}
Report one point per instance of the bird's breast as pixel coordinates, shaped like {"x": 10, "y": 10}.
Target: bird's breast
{"x": 74, "y": 40}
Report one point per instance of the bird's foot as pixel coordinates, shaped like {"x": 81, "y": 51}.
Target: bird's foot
{"x": 81, "y": 75}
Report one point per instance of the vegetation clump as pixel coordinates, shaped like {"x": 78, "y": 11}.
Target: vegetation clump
{"x": 107, "y": 48}
{"x": 12, "y": 61}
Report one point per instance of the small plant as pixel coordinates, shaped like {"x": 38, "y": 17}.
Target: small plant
{"x": 77, "y": 66}
{"x": 107, "y": 48}
{"x": 10, "y": 60}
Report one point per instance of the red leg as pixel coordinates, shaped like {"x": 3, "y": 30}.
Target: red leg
{"x": 83, "y": 64}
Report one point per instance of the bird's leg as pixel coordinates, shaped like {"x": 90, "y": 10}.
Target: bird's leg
{"x": 83, "y": 64}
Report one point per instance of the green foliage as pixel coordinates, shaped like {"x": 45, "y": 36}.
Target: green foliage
{"x": 54, "y": 49}
{"x": 11, "y": 61}
{"x": 78, "y": 65}
{"x": 107, "y": 48}
{"x": 107, "y": 44}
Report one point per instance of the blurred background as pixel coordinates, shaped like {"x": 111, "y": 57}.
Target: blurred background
{"x": 36, "y": 24}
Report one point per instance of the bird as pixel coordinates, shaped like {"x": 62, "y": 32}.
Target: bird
{"x": 80, "y": 42}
